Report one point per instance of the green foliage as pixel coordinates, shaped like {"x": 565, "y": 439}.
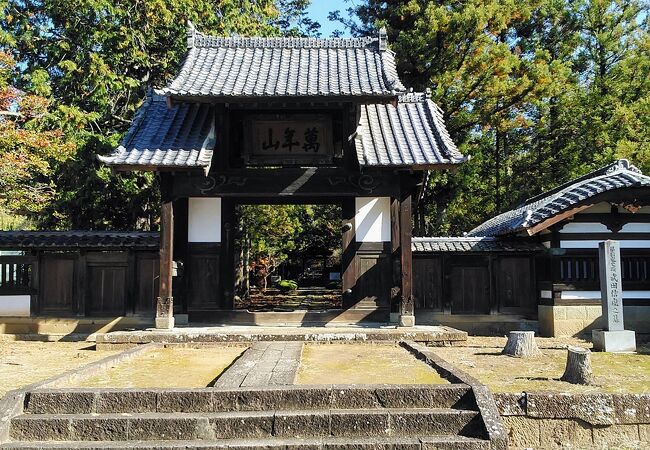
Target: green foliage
{"x": 271, "y": 234}
{"x": 93, "y": 61}
{"x": 535, "y": 91}
{"x": 287, "y": 285}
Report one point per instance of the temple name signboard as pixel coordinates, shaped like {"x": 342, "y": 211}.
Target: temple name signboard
{"x": 288, "y": 139}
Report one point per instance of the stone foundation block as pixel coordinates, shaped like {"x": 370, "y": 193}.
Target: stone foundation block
{"x": 575, "y": 312}
{"x": 644, "y": 433}
{"x": 258, "y": 400}
{"x": 185, "y": 401}
{"x": 126, "y": 402}
{"x": 301, "y": 424}
{"x": 99, "y": 429}
{"x": 60, "y": 402}
{"x": 511, "y": 404}
{"x": 359, "y": 423}
{"x": 616, "y": 434}
{"x": 564, "y": 432}
{"x": 300, "y": 397}
{"x": 351, "y": 398}
{"x": 406, "y": 321}
{"x": 614, "y": 341}
{"x": 150, "y": 428}
{"x": 423, "y": 423}
{"x": 522, "y": 432}
{"x": 40, "y": 429}
{"x": 422, "y": 397}
{"x": 164, "y": 323}
{"x": 243, "y": 425}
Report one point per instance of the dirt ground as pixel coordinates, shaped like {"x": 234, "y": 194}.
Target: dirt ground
{"x": 166, "y": 368}
{"x": 362, "y": 364}
{"x": 482, "y": 358}
{"x": 23, "y": 363}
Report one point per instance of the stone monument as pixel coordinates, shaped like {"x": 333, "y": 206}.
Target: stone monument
{"x": 614, "y": 338}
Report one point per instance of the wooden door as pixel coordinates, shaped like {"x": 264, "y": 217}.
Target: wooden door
{"x": 107, "y": 290}
{"x": 427, "y": 282}
{"x": 515, "y": 287}
{"x": 57, "y": 277}
{"x": 203, "y": 276}
{"x": 147, "y": 272}
{"x": 469, "y": 289}
{"x": 373, "y": 281}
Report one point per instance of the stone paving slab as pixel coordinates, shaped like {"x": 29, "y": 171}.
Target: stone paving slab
{"x": 264, "y": 364}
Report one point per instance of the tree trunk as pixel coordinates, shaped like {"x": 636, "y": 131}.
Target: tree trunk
{"x": 521, "y": 344}
{"x": 578, "y": 366}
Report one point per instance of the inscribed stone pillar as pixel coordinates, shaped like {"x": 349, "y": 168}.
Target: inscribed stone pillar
{"x": 614, "y": 338}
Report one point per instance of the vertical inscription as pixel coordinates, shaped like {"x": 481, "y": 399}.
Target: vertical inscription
{"x": 611, "y": 287}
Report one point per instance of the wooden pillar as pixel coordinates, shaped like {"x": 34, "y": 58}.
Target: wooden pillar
{"x": 407, "y": 308}
{"x": 165, "y": 301}
{"x": 348, "y": 258}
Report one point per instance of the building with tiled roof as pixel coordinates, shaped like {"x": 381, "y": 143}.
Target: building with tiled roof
{"x": 286, "y": 119}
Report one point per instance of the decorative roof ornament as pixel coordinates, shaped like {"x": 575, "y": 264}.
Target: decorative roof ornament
{"x": 621, "y": 164}
{"x": 383, "y": 39}
{"x": 191, "y": 34}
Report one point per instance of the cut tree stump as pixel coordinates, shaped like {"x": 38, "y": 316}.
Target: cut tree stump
{"x": 521, "y": 344}
{"x": 578, "y": 366}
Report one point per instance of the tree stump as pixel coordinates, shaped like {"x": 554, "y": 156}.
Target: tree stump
{"x": 578, "y": 366}
{"x": 521, "y": 344}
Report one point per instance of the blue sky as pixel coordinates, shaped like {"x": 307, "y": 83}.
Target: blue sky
{"x": 318, "y": 10}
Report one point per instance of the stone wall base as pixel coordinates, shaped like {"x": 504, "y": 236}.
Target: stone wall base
{"x": 528, "y": 432}
{"x": 575, "y": 320}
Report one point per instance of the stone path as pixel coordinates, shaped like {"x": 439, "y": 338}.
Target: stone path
{"x": 264, "y": 364}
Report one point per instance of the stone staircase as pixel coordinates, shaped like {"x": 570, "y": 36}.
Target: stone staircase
{"x": 423, "y": 417}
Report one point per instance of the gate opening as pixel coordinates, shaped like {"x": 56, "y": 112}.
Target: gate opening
{"x": 288, "y": 257}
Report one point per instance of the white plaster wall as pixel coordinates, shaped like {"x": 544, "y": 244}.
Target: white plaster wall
{"x": 629, "y": 243}
{"x": 635, "y": 227}
{"x": 587, "y": 227}
{"x": 14, "y": 305}
{"x": 372, "y": 219}
{"x": 204, "y": 219}
{"x": 595, "y": 295}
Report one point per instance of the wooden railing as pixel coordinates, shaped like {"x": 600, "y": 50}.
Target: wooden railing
{"x": 584, "y": 269}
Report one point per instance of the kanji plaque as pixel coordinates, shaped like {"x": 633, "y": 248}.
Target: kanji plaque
{"x": 288, "y": 139}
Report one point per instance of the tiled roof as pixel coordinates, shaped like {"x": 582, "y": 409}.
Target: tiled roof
{"x": 78, "y": 239}
{"x": 243, "y": 67}
{"x": 181, "y": 136}
{"x": 536, "y": 210}
{"x": 412, "y": 133}
{"x": 471, "y": 244}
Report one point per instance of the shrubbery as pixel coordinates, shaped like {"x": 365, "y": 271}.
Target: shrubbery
{"x": 287, "y": 285}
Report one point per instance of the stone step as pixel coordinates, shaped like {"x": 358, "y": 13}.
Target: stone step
{"x": 86, "y": 401}
{"x": 327, "y": 443}
{"x": 245, "y": 424}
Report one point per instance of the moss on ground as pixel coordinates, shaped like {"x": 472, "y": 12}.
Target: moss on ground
{"x": 166, "y": 368}
{"x": 341, "y": 363}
